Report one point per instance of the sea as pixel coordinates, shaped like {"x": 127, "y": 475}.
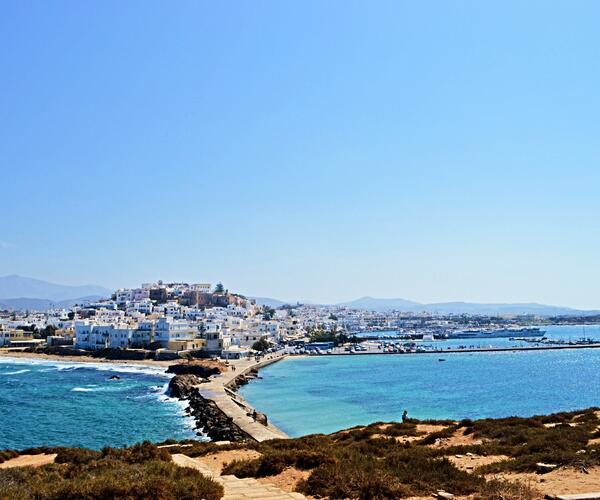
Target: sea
{"x": 321, "y": 394}
{"x": 77, "y": 404}
{"x": 56, "y": 403}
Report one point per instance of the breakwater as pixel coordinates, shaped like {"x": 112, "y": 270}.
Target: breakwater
{"x": 221, "y": 391}
{"x": 339, "y": 352}
{"x": 210, "y": 420}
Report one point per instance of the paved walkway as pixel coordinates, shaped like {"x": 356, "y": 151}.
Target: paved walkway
{"x": 238, "y": 489}
{"x": 233, "y": 405}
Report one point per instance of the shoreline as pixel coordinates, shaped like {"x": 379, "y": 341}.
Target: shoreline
{"x": 6, "y": 354}
{"x": 218, "y": 392}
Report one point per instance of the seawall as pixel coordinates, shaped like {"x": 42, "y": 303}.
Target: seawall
{"x": 220, "y": 390}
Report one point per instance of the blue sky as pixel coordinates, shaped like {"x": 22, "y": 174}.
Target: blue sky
{"x": 305, "y": 149}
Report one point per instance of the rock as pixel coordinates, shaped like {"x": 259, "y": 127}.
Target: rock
{"x": 210, "y": 420}
{"x": 444, "y": 495}
{"x": 543, "y": 468}
{"x": 199, "y": 368}
{"x": 115, "y": 377}
{"x": 261, "y": 418}
{"x": 181, "y": 386}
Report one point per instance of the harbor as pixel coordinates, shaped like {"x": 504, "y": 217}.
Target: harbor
{"x": 371, "y": 348}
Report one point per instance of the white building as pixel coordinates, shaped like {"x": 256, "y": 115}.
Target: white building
{"x": 92, "y": 336}
{"x": 167, "y": 329}
{"x": 216, "y": 338}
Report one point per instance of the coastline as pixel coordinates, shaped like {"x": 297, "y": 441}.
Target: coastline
{"x": 217, "y": 395}
{"x": 7, "y": 354}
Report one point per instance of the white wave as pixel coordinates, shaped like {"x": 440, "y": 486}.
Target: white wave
{"x": 73, "y": 365}
{"x": 83, "y": 389}
{"x": 15, "y": 372}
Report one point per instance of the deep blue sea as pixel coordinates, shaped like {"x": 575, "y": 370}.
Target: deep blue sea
{"x": 328, "y": 393}
{"x": 75, "y": 404}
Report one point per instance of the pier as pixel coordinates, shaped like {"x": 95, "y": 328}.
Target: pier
{"x": 338, "y": 352}
{"x": 219, "y": 389}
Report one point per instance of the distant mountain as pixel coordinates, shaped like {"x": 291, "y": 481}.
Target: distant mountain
{"x": 403, "y": 305}
{"x": 373, "y": 304}
{"x": 18, "y": 286}
{"x": 381, "y": 305}
{"x": 24, "y": 304}
{"x": 500, "y": 309}
{"x": 266, "y": 301}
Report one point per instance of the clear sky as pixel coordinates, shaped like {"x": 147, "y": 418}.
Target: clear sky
{"x": 318, "y": 150}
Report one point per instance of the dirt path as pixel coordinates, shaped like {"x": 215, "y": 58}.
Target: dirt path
{"x": 565, "y": 480}
{"x": 237, "y": 489}
{"x": 29, "y": 461}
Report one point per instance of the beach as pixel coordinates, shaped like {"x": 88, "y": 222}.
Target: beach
{"x": 19, "y": 354}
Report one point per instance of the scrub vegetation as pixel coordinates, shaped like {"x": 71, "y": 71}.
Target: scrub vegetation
{"x": 142, "y": 471}
{"x": 381, "y": 460}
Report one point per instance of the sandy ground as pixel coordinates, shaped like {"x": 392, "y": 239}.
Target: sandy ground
{"x": 287, "y": 480}
{"x": 216, "y": 461}
{"x": 29, "y": 460}
{"x": 562, "y": 481}
{"x": 459, "y": 438}
{"x": 470, "y": 462}
{"x": 423, "y": 429}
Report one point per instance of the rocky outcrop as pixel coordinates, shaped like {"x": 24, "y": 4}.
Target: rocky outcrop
{"x": 182, "y": 386}
{"x": 201, "y": 369}
{"x": 241, "y": 380}
{"x": 210, "y": 420}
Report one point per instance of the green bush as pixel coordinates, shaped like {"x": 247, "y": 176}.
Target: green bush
{"x": 76, "y": 456}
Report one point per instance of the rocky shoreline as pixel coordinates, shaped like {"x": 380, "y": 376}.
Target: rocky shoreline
{"x": 243, "y": 379}
{"x": 210, "y": 420}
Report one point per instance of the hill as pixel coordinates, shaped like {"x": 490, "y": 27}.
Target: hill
{"x": 510, "y": 458}
{"x": 269, "y": 302}
{"x": 382, "y": 305}
{"x": 403, "y": 305}
{"x": 25, "y": 304}
{"x": 373, "y": 304}
{"x": 14, "y": 286}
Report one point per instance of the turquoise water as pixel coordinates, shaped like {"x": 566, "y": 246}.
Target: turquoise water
{"x": 75, "y": 404}
{"x": 328, "y": 393}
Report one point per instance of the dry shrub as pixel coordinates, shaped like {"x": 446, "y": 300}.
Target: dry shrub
{"x": 507, "y": 490}
{"x": 133, "y": 473}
